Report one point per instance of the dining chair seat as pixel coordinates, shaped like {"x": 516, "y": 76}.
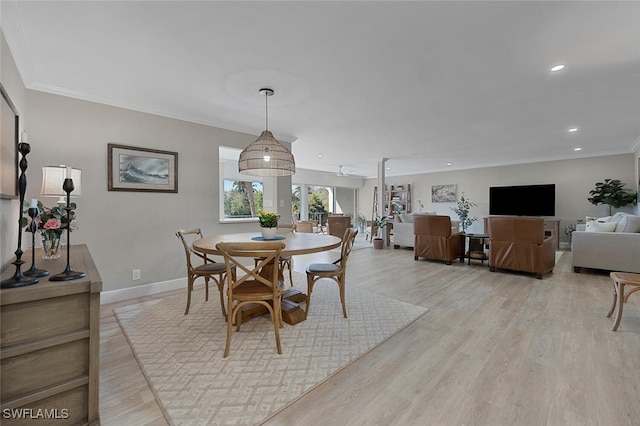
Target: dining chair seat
{"x": 211, "y": 267}
{"x": 254, "y": 290}
{"x": 323, "y": 267}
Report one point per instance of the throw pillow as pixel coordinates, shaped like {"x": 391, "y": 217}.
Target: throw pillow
{"x": 628, "y": 223}
{"x": 617, "y": 217}
{"x": 406, "y": 218}
{"x": 593, "y": 226}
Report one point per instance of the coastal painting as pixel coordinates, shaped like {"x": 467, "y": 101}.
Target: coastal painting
{"x": 444, "y": 193}
{"x": 142, "y": 169}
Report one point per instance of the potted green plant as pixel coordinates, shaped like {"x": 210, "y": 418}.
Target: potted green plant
{"x": 268, "y": 224}
{"x": 462, "y": 210}
{"x": 379, "y": 223}
{"x": 612, "y": 193}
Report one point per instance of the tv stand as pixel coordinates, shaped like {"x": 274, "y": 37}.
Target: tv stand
{"x": 551, "y": 229}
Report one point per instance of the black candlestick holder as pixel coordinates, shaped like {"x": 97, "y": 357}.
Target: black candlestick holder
{"x": 19, "y": 279}
{"x": 33, "y": 227}
{"x": 68, "y": 274}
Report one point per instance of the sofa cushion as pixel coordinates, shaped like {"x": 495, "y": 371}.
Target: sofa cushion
{"x": 406, "y": 218}
{"x": 593, "y": 226}
{"x": 628, "y": 223}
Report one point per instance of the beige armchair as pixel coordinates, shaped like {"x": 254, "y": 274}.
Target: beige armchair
{"x": 434, "y": 239}
{"x": 519, "y": 244}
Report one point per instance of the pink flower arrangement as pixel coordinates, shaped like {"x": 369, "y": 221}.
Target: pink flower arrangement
{"x": 52, "y": 221}
{"x": 52, "y": 224}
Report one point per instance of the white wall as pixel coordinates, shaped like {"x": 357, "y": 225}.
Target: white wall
{"x": 130, "y": 230}
{"x": 9, "y": 209}
{"x": 573, "y": 180}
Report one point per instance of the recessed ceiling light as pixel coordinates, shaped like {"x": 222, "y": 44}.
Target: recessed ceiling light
{"x": 320, "y": 156}
{"x": 577, "y": 149}
{"x": 573, "y": 129}
{"x": 558, "y": 67}
{"x": 448, "y": 164}
{"x": 388, "y": 168}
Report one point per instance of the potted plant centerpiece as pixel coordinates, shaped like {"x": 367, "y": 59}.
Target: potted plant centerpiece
{"x": 268, "y": 224}
{"x": 379, "y": 223}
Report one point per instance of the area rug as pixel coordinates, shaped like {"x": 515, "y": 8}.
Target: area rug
{"x": 181, "y": 355}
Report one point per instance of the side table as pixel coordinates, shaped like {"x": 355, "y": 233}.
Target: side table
{"x": 476, "y": 247}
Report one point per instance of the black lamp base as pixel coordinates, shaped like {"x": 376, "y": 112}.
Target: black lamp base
{"x": 36, "y": 272}
{"x": 14, "y": 282}
{"x": 67, "y": 276}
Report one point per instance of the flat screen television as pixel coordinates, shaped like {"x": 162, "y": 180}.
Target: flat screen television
{"x": 523, "y": 200}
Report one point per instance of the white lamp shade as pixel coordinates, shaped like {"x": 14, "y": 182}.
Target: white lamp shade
{"x": 53, "y": 178}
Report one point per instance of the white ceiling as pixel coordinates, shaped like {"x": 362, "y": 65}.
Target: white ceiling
{"x": 422, "y": 83}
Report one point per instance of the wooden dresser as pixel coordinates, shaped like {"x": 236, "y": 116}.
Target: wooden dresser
{"x": 50, "y": 345}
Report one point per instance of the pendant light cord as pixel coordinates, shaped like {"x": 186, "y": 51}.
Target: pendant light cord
{"x": 266, "y": 110}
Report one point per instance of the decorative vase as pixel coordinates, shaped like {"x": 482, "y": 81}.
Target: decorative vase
{"x": 269, "y": 233}
{"x": 50, "y": 245}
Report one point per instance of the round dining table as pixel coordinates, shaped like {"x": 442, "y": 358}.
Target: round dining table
{"x": 296, "y": 243}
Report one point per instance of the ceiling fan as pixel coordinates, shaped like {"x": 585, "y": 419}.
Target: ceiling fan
{"x": 341, "y": 171}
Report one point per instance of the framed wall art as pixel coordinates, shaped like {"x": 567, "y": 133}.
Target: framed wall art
{"x": 137, "y": 169}
{"x": 444, "y": 193}
{"x": 8, "y": 147}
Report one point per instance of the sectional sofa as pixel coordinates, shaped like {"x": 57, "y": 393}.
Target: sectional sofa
{"x": 608, "y": 243}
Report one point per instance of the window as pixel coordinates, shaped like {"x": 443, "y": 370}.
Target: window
{"x": 240, "y": 195}
{"x": 242, "y": 199}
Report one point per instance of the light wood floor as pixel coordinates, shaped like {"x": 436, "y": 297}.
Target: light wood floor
{"x": 495, "y": 349}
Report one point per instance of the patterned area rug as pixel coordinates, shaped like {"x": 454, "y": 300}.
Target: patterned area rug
{"x": 181, "y": 356}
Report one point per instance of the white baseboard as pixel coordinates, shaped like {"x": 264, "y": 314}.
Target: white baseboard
{"x": 142, "y": 290}
{"x": 565, "y": 246}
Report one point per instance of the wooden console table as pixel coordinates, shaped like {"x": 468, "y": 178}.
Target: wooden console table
{"x": 50, "y": 344}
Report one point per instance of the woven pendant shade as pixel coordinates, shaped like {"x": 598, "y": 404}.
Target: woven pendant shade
{"x": 266, "y": 156}
{"x": 252, "y": 158}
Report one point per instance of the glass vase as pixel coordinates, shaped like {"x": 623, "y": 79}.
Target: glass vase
{"x": 50, "y": 245}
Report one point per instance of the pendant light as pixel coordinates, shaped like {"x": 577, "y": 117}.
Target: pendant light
{"x": 266, "y": 156}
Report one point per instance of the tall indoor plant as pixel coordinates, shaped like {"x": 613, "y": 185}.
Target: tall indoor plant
{"x": 612, "y": 193}
{"x": 462, "y": 209}
{"x": 379, "y": 223}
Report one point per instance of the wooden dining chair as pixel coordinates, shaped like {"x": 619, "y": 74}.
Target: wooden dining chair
{"x": 305, "y": 226}
{"x": 335, "y": 271}
{"x": 257, "y": 285}
{"x": 620, "y": 280}
{"x": 208, "y": 269}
